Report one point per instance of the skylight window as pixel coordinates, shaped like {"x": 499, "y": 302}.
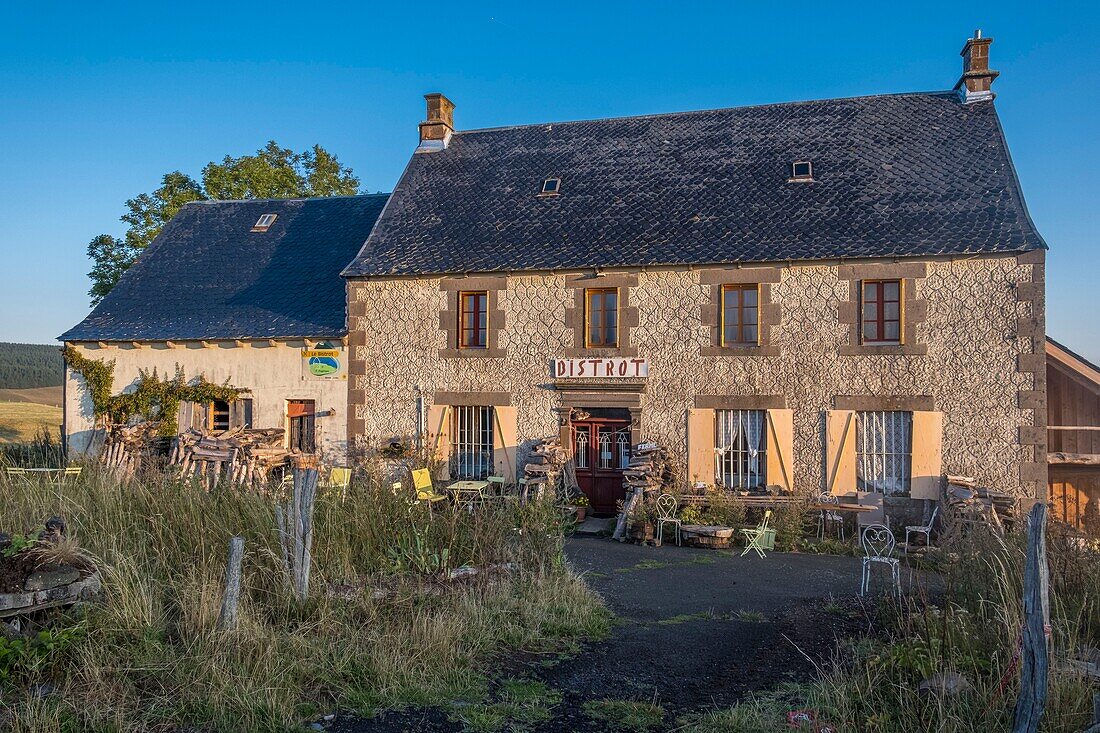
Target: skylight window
{"x": 802, "y": 170}
{"x": 264, "y": 222}
{"x": 551, "y": 187}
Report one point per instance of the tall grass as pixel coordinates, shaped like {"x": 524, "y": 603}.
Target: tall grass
{"x": 381, "y": 627}
{"x": 968, "y": 623}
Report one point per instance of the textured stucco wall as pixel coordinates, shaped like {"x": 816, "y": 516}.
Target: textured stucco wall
{"x": 976, "y": 368}
{"x": 272, "y": 373}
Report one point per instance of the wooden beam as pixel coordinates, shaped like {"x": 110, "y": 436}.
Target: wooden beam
{"x": 1074, "y": 459}
{"x": 171, "y": 344}
{"x": 1089, "y": 428}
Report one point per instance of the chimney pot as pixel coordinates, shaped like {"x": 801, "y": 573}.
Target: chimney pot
{"x": 436, "y": 130}
{"x": 977, "y": 78}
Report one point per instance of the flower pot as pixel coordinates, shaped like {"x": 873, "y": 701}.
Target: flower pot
{"x": 582, "y": 512}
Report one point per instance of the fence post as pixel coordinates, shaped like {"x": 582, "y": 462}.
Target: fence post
{"x": 1034, "y": 658}
{"x": 296, "y": 531}
{"x": 227, "y": 619}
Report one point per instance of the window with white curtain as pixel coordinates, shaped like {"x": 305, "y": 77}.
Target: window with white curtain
{"x": 884, "y": 451}
{"x": 739, "y": 448}
{"x": 471, "y": 442}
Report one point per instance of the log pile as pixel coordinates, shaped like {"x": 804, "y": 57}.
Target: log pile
{"x": 545, "y": 465}
{"x": 643, "y": 480}
{"x": 125, "y": 446}
{"x": 238, "y": 457}
{"x": 971, "y": 504}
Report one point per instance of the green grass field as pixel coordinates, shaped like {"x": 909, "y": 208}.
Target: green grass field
{"x": 21, "y": 421}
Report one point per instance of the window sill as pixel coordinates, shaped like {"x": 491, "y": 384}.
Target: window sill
{"x": 740, "y": 351}
{"x": 597, "y": 352}
{"x": 473, "y": 353}
{"x": 884, "y": 350}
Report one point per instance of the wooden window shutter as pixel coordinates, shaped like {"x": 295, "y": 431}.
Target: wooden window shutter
{"x": 200, "y": 415}
{"x": 700, "y": 447}
{"x": 504, "y": 442}
{"x": 184, "y": 416}
{"x": 840, "y": 451}
{"x": 439, "y": 435}
{"x": 240, "y": 413}
{"x": 779, "y": 450}
{"x": 927, "y": 463}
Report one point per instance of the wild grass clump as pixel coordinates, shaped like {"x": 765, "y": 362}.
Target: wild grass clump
{"x": 382, "y": 627}
{"x": 966, "y": 631}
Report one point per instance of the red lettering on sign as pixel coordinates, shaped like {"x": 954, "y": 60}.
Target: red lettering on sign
{"x": 637, "y": 366}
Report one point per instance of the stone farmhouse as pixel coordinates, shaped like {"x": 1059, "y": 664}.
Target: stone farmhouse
{"x": 829, "y": 296}
{"x": 242, "y": 291}
{"x": 843, "y": 295}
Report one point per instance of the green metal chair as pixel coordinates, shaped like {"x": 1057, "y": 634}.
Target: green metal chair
{"x": 760, "y": 539}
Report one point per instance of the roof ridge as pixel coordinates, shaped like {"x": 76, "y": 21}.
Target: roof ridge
{"x": 685, "y": 113}
{"x": 209, "y": 202}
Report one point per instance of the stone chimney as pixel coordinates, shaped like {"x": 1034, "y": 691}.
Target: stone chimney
{"x": 436, "y": 130}
{"x": 977, "y": 77}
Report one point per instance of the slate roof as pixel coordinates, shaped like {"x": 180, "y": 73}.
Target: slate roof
{"x": 898, "y": 175}
{"x": 207, "y": 276}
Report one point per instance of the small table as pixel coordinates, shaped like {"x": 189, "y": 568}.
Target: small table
{"x": 843, "y": 507}
{"x": 463, "y": 491}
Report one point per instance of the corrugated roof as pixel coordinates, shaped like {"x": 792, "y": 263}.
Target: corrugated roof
{"x": 207, "y": 276}
{"x": 899, "y": 175}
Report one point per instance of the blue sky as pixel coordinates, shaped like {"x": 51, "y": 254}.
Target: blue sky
{"x": 98, "y": 101}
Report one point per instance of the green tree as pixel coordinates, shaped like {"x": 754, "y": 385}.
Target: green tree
{"x": 273, "y": 172}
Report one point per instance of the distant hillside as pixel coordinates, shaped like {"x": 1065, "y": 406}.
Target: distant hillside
{"x": 23, "y": 366}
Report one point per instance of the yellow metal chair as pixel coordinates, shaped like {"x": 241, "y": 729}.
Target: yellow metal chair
{"x": 425, "y": 492}
{"x": 70, "y": 472}
{"x": 14, "y": 474}
{"x": 339, "y": 477}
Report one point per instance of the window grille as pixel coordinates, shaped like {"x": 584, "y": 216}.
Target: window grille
{"x": 472, "y": 444}
{"x": 740, "y": 448}
{"x": 580, "y": 448}
{"x": 884, "y": 449}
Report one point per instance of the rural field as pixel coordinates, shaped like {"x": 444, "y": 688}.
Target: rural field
{"x": 496, "y": 620}
{"x": 30, "y": 391}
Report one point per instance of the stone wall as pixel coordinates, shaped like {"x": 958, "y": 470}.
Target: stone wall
{"x": 976, "y": 338}
{"x": 273, "y": 373}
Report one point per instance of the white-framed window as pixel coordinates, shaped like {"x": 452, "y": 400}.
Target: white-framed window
{"x": 471, "y": 442}
{"x": 884, "y": 451}
{"x": 740, "y": 442}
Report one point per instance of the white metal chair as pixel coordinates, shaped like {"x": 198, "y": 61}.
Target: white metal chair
{"x": 827, "y": 516}
{"x": 666, "y": 514}
{"x": 924, "y": 529}
{"x": 878, "y": 546}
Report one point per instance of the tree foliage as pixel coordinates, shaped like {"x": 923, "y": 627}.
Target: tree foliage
{"x": 272, "y": 172}
{"x": 23, "y": 366}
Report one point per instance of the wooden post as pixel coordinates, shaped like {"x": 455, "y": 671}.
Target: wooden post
{"x": 298, "y": 547}
{"x": 1034, "y": 658}
{"x": 227, "y": 619}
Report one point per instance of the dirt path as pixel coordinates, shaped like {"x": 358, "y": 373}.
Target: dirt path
{"x": 697, "y": 630}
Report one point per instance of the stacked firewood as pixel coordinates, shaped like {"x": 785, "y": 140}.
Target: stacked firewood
{"x": 643, "y": 480}
{"x": 973, "y": 504}
{"x": 125, "y": 445}
{"x": 545, "y": 465}
{"x": 237, "y": 457}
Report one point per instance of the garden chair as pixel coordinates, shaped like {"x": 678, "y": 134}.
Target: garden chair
{"x": 14, "y": 474}
{"x": 339, "y": 477}
{"x": 666, "y": 514}
{"x": 827, "y": 516}
{"x": 758, "y": 539}
{"x": 878, "y": 546}
{"x": 924, "y": 529}
{"x": 425, "y": 492}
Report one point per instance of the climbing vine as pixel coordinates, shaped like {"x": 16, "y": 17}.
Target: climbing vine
{"x": 153, "y": 398}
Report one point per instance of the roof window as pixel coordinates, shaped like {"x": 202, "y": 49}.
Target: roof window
{"x": 264, "y": 222}
{"x": 551, "y": 187}
{"x": 802, "y": 170}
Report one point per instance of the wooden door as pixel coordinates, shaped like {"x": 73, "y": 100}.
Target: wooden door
{"x": 601, "y": 450}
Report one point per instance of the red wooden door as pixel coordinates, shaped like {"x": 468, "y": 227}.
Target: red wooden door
{"x": 601, "y": 450}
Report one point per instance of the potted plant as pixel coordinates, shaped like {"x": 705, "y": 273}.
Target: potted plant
{"x": 580, "y": 504}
